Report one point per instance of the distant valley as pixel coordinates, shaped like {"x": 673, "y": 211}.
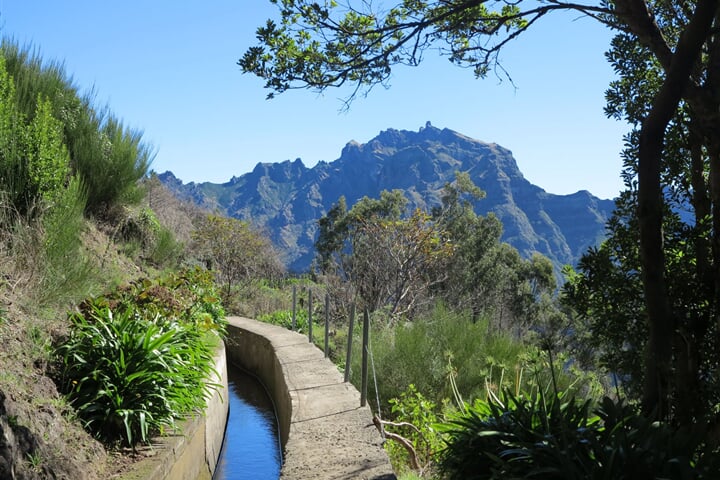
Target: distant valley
{"x": 288, "y": 198}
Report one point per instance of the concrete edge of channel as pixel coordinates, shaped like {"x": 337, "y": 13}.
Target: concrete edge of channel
{"x": 192, "y": 452}
{"x": 324, "y": 431}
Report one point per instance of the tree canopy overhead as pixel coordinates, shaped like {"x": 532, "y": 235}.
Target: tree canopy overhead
{"x": 330, "y": 43}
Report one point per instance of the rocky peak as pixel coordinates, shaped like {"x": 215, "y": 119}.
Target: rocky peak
{"x": 288, "y": 198}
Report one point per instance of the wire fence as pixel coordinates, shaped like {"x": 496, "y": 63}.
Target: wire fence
{"x": 365, "y": 337}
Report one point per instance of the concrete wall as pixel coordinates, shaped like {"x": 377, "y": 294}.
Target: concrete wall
{"x": 324, "y": 431}
{"x": 192, "y": 452}
{"x": 254, "y": 352}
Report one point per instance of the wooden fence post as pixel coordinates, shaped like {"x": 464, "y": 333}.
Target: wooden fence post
{"x": 365, "y": 342}
{"x": 327, "y": 324}
{"x": 348, "y": 355}
{"x": 310, "y": 338}
{"x": 294, "y": 314}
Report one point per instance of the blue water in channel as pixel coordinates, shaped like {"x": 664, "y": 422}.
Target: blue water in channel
{"x": 251, "y": 449}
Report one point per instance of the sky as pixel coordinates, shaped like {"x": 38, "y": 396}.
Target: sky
{"x": 169, "y": 69}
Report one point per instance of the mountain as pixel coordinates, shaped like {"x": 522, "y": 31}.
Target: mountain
{"x": 288, "y": 198}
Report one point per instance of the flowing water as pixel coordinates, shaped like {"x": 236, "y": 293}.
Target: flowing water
{"x": 251, "y": 449}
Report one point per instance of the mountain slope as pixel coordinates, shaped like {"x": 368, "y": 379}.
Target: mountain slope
{"x": 288, "y": 198}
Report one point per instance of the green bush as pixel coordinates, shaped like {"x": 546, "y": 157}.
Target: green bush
{"x": 109, "y": 157}
{"x": 166, "y": 251}
{"x": 631, "y": 445}
{"x": 67, "y": 274}
{"x": 517, "y": 437}
{"x": 128, "y": 376}
{"x": 141, "y": 357}
{"x": 143, "y": 236}
{"x": 283, "y": 318}
{"x": 427, "y": 351}
{"x": 415, "y": 419}
{"x": 34, "y": 163}
{"x": 445, "y": 345}
{"x": 189, "y": 296}
{"x": 553, "y": 437}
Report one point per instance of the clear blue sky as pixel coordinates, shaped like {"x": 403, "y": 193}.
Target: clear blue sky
{"x": 169, "y": 69}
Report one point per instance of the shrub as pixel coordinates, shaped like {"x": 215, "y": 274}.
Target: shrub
{"x": 283, "y": 318}
{"x": 520, "y": 437}
{"x": 188, "y": 296}
{"x": 631, "y": 445}
{"x": 128, "y": 377}
{"x": 144, "y": 236}
{"x": 427, "y": 351}
{"x": 34, "y": 162}
{"x": 166, "y": 250}
{"x": 109, "y": 157}
{"x": 67, "y": 275}
{"x": 553, "y": 437}
{"x": 416, "y": 421}
{"x": 141, "y": 357}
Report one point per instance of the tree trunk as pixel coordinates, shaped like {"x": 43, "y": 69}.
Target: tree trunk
{"x": 714, "y": 156}
{"x": 659, "y": 360}
{"x": 660, "y": 322}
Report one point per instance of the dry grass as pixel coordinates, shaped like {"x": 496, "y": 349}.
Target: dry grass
{"x": 174, "y": 214}
{"x": 54, "y": 445}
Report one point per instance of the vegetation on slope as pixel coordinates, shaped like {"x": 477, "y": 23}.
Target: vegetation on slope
{"x": 79, "y": 217}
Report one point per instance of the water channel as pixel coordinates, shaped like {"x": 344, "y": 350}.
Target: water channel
{"x": 251, "y": 449}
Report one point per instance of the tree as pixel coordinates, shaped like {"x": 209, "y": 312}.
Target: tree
{"x": 403, "y": 262}
{"x": 484, "y": 275}
{"x": 317, "y": 45}
{"x": 388, "y": 261}
{"x": 608, "y": 290}
{"x": 236, "y": 251}
{"x": 397, "y": 262}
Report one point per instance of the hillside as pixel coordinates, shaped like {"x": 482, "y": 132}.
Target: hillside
{"x": 288, "y": 198}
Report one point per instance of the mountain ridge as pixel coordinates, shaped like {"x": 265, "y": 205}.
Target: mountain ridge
{"x": 287, "y": 198}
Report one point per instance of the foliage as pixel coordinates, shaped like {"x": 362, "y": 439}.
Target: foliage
{"x": 238, "y": 252}
{"x": 68, "y": 274}
{"x": 128, "y": 376}
{"x": 484, "y": 275}
{"x": 108, "y": 157}
{"x": 189, "y": 296}
{"x": 445, "y": 355}
{"x": 405, "y": 263}
{"x": 142, "y": 357}
{"x": 330, "y": 43}
{"x": 414, "y": 417}
{"x": 632, "y": 444}
{"x": 34, "y": 163}
{"x": 560, "y": 437}
{"x": 520, "y": 437}
{"x": 144, "y": 236}
{"x": 166, "y": 250}
{"x": 283, "y": 318}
